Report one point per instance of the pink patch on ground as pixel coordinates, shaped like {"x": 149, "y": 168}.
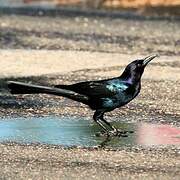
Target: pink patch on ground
{"x": 155, "y": 134}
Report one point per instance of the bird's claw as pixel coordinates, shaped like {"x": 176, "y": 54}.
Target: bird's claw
{"x": 114, "y": 132}
{"x": 119, "y": 133}
{"x": 100, "y": 134}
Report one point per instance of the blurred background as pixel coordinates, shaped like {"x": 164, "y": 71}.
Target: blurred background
{"x": 94, "y": 3}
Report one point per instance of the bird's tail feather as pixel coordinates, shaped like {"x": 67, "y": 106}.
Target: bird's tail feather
{"x": 16, "y": 87}
{"x": 63, "y": 86}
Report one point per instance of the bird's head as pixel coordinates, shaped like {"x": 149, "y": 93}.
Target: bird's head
{"x": 135, "y": 69}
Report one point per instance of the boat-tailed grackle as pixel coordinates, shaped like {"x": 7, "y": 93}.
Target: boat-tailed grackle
{"x": 102, "y": 96}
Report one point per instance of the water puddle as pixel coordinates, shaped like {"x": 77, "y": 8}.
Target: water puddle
{"x": 81, "y": 132}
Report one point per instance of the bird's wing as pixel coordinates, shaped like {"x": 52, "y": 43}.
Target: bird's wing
{"x": 97, "y": 88}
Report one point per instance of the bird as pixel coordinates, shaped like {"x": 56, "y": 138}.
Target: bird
{"x": 101, "y": 96}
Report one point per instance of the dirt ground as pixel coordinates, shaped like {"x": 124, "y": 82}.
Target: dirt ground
{"x": 53, "y": 50}
{"x": 46, "y": 162}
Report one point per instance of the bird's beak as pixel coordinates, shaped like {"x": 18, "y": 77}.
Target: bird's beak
{"x": 148, "y": 59}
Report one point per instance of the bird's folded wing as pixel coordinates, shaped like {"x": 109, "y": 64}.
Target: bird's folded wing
{"x": 91, "y": 89}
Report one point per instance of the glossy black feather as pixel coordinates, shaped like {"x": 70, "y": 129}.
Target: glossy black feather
{"x": 90, "y": 88}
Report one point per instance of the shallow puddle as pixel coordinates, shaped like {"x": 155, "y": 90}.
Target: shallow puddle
{"x": 81, "y": 132}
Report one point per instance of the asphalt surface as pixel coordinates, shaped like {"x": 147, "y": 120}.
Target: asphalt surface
{"x": 111, "y": 43}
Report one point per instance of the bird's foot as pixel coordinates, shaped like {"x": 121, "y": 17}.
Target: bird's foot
{"x": 119, "y": 133}
{"x": 102, "y": 134}
{"x": 115, "y": 132}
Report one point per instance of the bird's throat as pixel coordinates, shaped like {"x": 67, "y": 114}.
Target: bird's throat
{"x": 129, "y": 81}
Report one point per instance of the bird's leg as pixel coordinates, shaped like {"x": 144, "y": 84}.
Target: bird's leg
{"x": 114, "y": 131}
{"x": 107, "y": 123}
{"x": 96, "y": 118}
{"x": 98, "y": 115}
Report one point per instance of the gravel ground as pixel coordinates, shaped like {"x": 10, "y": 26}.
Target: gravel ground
{"x": 127, "y": 34}
{"x": 45, "y": 162}
{"x": 111, "y": 44}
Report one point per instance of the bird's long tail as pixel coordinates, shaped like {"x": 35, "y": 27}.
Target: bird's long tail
{"x": 16, "y": 87}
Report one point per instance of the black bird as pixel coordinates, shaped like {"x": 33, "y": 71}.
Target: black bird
{"x": 102, "y": 96}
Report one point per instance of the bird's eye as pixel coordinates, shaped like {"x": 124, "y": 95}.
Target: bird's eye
{"x": 138, "y": 65}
